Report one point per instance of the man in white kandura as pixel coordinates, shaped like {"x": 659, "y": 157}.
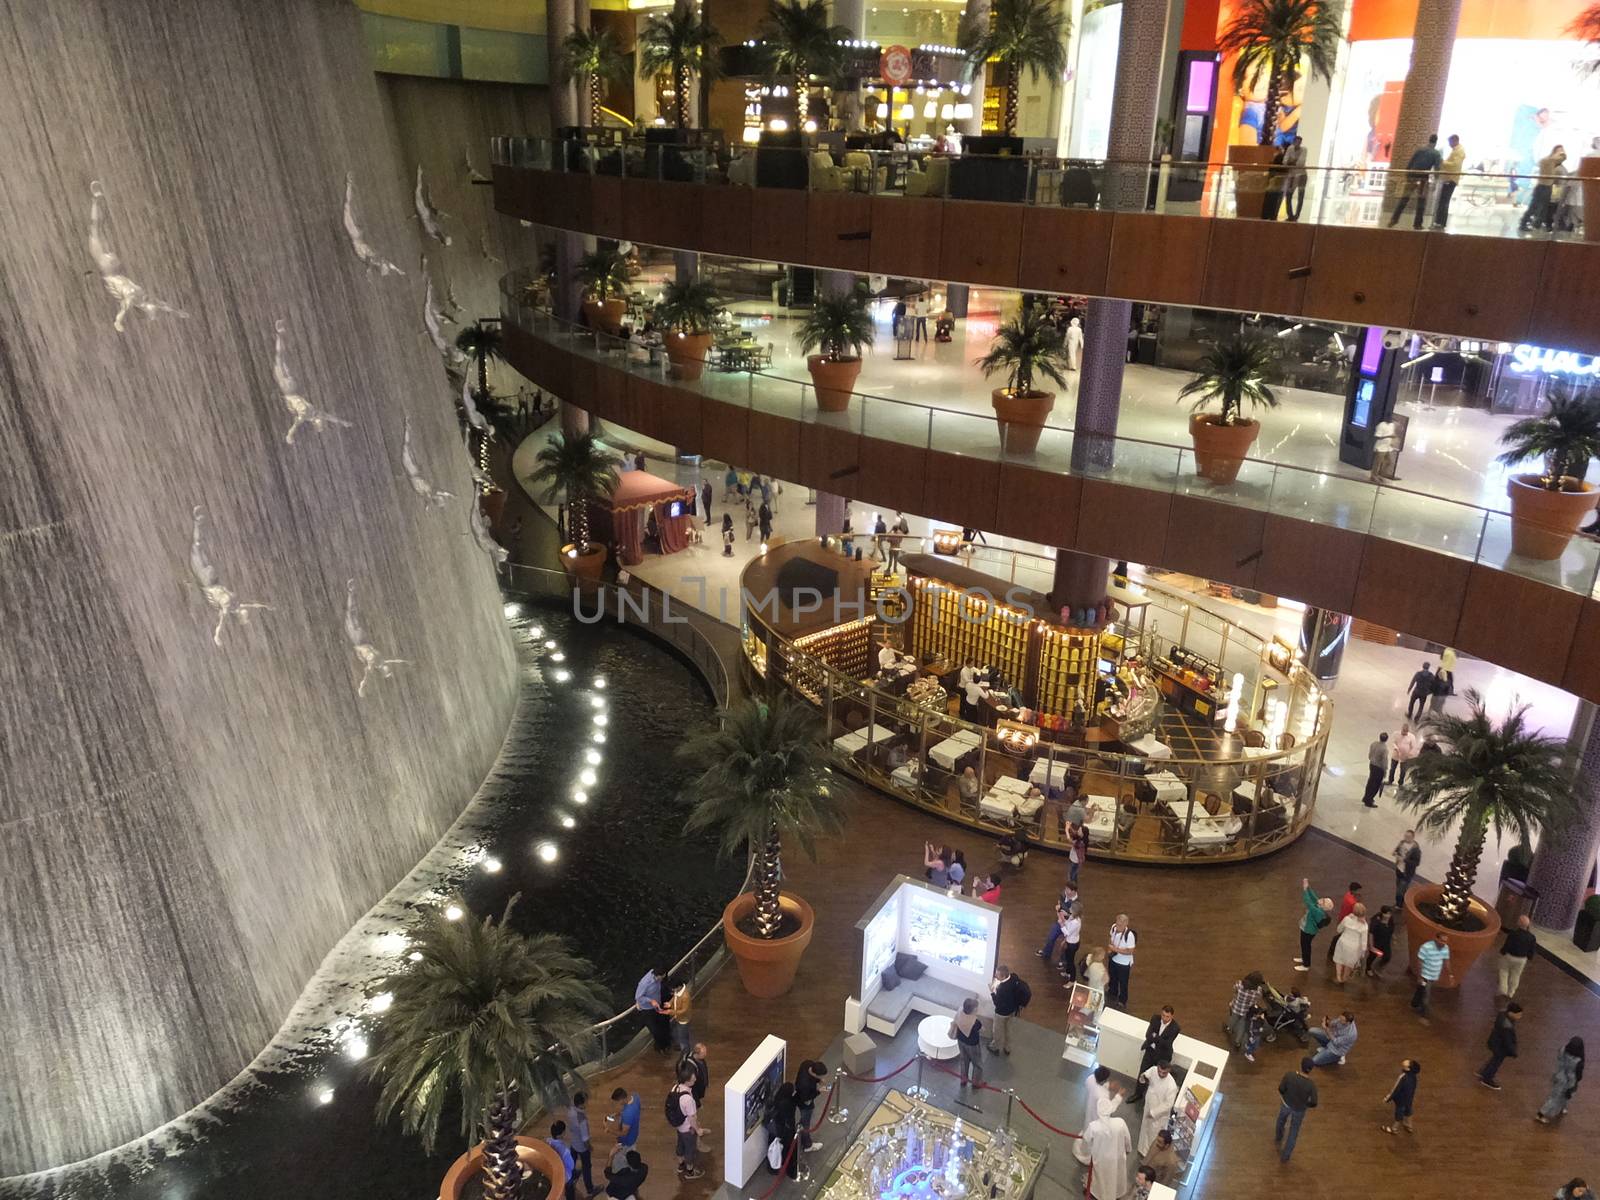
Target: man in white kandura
{"x": 1107, "y": 1149}
{"x": 1160, "y": 1097}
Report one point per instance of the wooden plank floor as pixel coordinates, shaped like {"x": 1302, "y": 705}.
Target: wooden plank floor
{"x": 1200, "y": 928}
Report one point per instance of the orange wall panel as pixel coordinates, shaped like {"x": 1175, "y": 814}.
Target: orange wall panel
{"x": 1068, "y": 250}
{"x": 982, "y": 242}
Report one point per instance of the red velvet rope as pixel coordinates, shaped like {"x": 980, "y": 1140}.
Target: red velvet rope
{"x": 794, "y": 1146}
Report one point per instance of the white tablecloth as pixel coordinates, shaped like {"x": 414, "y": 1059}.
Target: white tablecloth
{"x": 1010, "y": 783}
{"x": 849, "y": 743}
{"x": 1046, "y": 774}
{"x": 1169, "y": 787}
{"x": 998, "y": 805}
{"x": 904, "y": 775}
{"x": 1151, "y": 747}
{"x": 1102, "y": 817}
{"x": 952, "y": 748}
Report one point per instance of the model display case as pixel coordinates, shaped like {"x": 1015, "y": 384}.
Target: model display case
{"x": 1084, "y": 1005}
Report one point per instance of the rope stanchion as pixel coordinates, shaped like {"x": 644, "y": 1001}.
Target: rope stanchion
{"x": 840, "y": 1114}
{"x": 794, "y": 1146}
{"x": 880, "y": 1078}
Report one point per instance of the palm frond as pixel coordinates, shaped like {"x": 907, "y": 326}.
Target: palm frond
{"x": 682, "y": 44}
{"x": 797, "y": 38}
{"x": 594, "y": 52}
{"x": 1024, "y": 347}
{"x": 1274, "y": 37}
{"x": 576, "y": 466}
{"x": 1563, "y": 438}
{"x": 689, "y": 306}
{"x": 481, "y": 340}
{"x": 1023, "y": 35}
{"x": 1232, "y": 373}
{"x": 603, "y": 272}
{"x": 839, "y": 324}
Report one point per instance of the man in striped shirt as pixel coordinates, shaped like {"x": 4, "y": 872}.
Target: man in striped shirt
{"x": 1433, "y": 959}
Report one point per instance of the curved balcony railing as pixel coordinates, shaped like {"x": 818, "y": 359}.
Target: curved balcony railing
{"x": 1243, "y": 800}
{"x": 1486, "y": 202}
{"x": 1455, "y": 528}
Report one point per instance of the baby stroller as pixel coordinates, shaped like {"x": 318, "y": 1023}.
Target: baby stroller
{"x": 1286, "y": 1012}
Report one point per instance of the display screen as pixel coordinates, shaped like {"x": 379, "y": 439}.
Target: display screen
{"x": 676, "y": 510}
{"x": 760, "y": 1094}
{"x": 1371, "y": 351}
{"x": 941, "y": 931}
{"x": 1361, "y": 410}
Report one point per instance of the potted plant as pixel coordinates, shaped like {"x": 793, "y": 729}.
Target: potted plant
{"x": 596, "y": 55}
{"x": 1502, "y": 776}
{"x": 1586, "y": 931}
{"x": 688, "y": 309}
{"x": 1023, "y": 348}
{"x": 578, "y": 467}
{"x": 1272, "y": 39}
{"x": 798, "y": 41}
{"x": 604, "y": 276}
{"x": 1232, "y": 374}
{"x": 838, "y": 326}
{"x": 683, "y": 45}
{"x": 474, "y": 1019}
{"x": 765, "y": 779}
{"x": 1017, "y": 36}
{"x": 1548, "y": 508}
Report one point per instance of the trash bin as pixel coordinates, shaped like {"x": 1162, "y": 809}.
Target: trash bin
{"x": 1516, "y": 900}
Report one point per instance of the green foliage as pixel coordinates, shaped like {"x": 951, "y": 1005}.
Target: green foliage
{"x": 679, "y": 42}
{"x": 579, "y": 468}
{"x": 1232, "y": 374}
{"x": 603, "y": 273}
{"x": 689, "y": 306}
{"x": 1273, "y": 38}
{"x": 798, "y": 40}
{"x": 1020, "y": 35}
{"x": 839, "y": 325}
{"x": 594, "y": 53}
{"x": 478, "y": 1013}
{"x": 1024, "y": 348}
{"x": 1564, "y": 439}
{"x": 764, "y": 779}
{"x": 1592, "y": 907}
{"x": 1504, "y": 777}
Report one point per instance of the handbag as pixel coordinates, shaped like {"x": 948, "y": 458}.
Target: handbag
{"x": 775, "y": 1154}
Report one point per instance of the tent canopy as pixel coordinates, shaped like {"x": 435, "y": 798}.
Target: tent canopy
{"x": 640, "y": 489}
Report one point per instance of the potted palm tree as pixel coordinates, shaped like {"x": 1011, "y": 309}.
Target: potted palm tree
{"x": 578, "y": 467}
{"x": 1234, "y": 375}
{"x": 689, "y": 309}
{"x": 765, "y": 779}
{"x": 1024, "y": 349}
{"x": 683, "y": 45}
{"x": 1503, "y": 776}
{"x": 604, "y": 276}
{"x": 838, "y": 326}
{"x": 1275, "y": 39}
{"x": 482, "y": 343}
{"x": 798, "y": 41}
{"x": 483, "y": 1016}
{"x": 595, "y": 55}
{"x": 1586, "y": 28}
{"x": 1017, "y": 35}
{"x": 1547, "y": 508}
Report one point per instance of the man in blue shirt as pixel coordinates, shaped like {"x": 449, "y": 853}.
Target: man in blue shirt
{"x": 1337, "y": 1038}
{"x": 557, "y": 1141}
{"x": 1433, "y": 960}
{"x": 626, "y": 1118}
{"x": 647, "y": 998}
{"x": 1420, "y": 169}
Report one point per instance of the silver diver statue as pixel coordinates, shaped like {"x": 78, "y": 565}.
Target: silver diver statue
{"x": 217, "y": 596}
{"x": 128, "y": 294}
{"x": 419, "y": 483}
{"x": 301, "y": 409}
{"x": 430, "y": 216}
{"x": 366, "y": 653}
{"x": 369, "y": 257}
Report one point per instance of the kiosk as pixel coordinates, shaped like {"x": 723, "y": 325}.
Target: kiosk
{"x": 744, "y": 1104}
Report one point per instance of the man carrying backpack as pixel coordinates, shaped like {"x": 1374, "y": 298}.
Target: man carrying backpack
{"x": 683, "y": 1116}
{"x": 1011, "y": 996}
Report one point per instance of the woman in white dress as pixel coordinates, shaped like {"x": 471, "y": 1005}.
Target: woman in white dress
{"x": 1350, "y": 951}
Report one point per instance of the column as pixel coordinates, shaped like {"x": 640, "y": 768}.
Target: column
{"x": 1105, "y": 350}
{"x": 830, "y": 514}
{"x": 1563, "y": 861}
{"x": 977, "y": 14}
{"x": 1323, "y": 636}
{"x": 852, "y": 14}
{"x": 1433, "y": 41}
{"x": 1080, "y": 580}
{"x": 560, "y": 20}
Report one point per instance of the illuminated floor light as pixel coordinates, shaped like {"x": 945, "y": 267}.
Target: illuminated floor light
{"x": 596, "y": 702}
{"x": 600, "y": 720}
{"x": 599, "y": 739}
{"x": 568, "y": 822}
{"x": 454, "y": 913}
{"x": 588, "y": 779}
{"x": 550, "y": 644}
{"x": 547, "y": 852}
{"x": 558, "y": 657}
{"x": 592, "y": 757}
{"x": 600, "y": 681}
{"x": 415, "y": 956}
{"x": 580, "y": 797}
{"x": 492, "y": 865}
{"x": 512, "y": 610}
{"x": 356, "y": 1049}
{"x": 325, "y": 1095}
{"x": 381, "y": 1002}
{"x": 536, "y": 632}
{"x": 563, "y": 676}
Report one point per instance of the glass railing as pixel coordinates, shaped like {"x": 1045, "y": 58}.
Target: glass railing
{"x": 1456, "y": 528}
{"x": 1252, "y": 793}
{"x": 1493, "y": 203}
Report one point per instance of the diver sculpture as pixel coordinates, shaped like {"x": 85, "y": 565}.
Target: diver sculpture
{"x": 128, "y": 294}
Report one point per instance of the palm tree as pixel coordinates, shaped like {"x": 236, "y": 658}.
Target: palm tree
{"x": 798, "y": 41}
{"x": 839, "y": 325}
{"x": 765, "y": 778}
{"x": 1565, "y": 438}
{"x": 1504, "y": 777}
{"x": 481, "y": 341}
{"x": 580, "y": 468}
{"x": 1232, "y": 373}
{"x": 689, "y": 306}
{"x": 683, "y": 45}
{"x": 1273, "y": 38}
{"x": 596, "y": 54}
{"x": 1018, "y": 35}
{"x": 1024, "y": 346}
{"x": 1586, "y": 28}
{"x": 488, "y": 1015}
{"x": 603, "y": 272}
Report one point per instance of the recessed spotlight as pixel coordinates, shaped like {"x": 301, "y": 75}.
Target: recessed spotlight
{"x": 512, "y": 610}
{"x": 599, "y": 738}
{"x": 601, "y": 720}
{"x": 536, "y": 632}
{"x": 454, "y": 912}
{"x": 596, "y": 702}
{"x": 558, "y": 657}
{"x": 550, "y": 644}
{"x": 547, "y": 852}
{"x": 588, "y": 778}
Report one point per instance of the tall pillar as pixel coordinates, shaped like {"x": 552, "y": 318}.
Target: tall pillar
{"x": 830, "y": 514}
{"x": 1080, "y": 580}
{"x": 1433, "y": 41}
{"x": 1562, "y": 863}
{"x": 560, "y": 19}
{"x": 977, "y": 14}
{"x": 1323, "y": 637}
{"x": 1105, "y": 352}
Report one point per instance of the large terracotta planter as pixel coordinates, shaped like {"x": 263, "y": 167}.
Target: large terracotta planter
{"x": 767, "y": 967}
{"x": 1542, "y": 521}
{"x": 585, "y": 568}
{"x": 533, "y": 1154}
{"x": 834, "y": 379}
{"x": 1021, "y": 417}
{"x": 606, "y": 315}
{"x": 1220, "y": 450}
{"x": 1465, "y": 948}
{"x": 686, "y": 354}
{"x": 1589, "y": 172}
{"x": 1251, "y": 179}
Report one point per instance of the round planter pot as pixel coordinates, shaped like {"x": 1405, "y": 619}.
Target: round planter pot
{"x": 1589, "y": 172}
{"x": 1542, "y": 521}
{"x": 1465, "y": 948}
{"x": 534, "y": 1154}
{"x": 767, "y": 967}
{"x": 584, "y": 567}
{"x": 1021, "y": 417}
{"x": 834, "y": 379}
{"x": 686, "y": 354}
{"x": 1220, "y": 450}
{"x": 1251, "y": 179}
{"x": 605, "y": 315}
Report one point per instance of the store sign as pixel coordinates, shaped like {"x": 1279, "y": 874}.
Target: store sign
{"x": 895, "y": 65}
{"x": 1536, "y": 359}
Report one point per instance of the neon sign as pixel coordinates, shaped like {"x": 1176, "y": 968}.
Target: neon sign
{"x": 1527, "y": 359}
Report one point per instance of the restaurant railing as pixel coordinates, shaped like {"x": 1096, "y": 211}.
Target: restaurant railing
{"x": 1239, "y": 802}
{"x": 1452, "y": 527}
{"x": 1498, "y": 202}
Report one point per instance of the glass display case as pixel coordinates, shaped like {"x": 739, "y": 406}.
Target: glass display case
{"x": 1084, "y": 1004}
